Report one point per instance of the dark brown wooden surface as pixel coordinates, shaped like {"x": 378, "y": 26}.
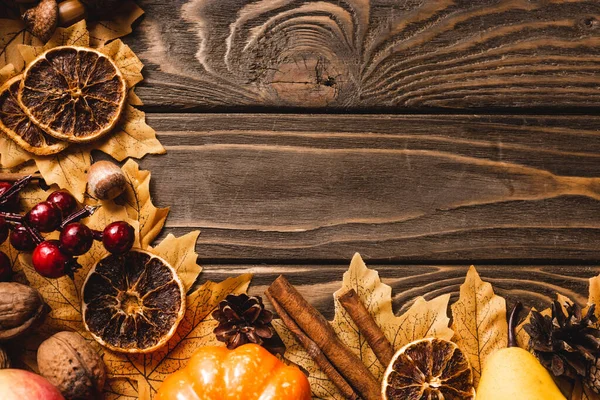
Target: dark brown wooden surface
{"x": 370, "y": 54}
{"x": 464, "y": 132}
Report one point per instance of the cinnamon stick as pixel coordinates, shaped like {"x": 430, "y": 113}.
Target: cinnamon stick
{"x": 367, "y": 326}
{"x": 319, "y": 331}
{"x": 314, "y": 352}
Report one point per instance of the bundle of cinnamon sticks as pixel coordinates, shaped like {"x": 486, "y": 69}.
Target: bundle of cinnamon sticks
{"x": 315, "y": 334}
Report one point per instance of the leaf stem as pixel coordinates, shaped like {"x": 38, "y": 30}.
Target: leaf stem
{"x": 512, "y": 321}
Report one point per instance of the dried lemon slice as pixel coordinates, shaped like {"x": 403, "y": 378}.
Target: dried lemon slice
{"x": 15, "y": 124}
{"x": 429, "y": 369}
{"x": 133, "y": 303}
{"x": 73, "y": 93}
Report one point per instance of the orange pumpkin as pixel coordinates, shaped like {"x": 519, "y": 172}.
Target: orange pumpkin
{"x": 247, "y": 373}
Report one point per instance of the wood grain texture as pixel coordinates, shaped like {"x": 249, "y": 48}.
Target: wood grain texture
{"x": 370, "y": 54}
{"x": 535, "y": 286}
{"x": 411, "y": 188}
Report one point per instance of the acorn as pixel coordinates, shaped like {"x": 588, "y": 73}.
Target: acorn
{"x": 100, "y": 9}
{"x": 41, "y": 20}
{"x": 71, "y": 12}
{"x": 105, "y": 180}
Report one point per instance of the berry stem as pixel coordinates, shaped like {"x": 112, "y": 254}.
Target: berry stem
{"x": 14, "y": 177}
{"x": 15, "y": 188}
{"x": 35, "y": 234}
{"x": 98, "y": 235}
{"x": 12, "y": 217}
{"x": 78, "y": 215}
{"x": 512, "y": 321}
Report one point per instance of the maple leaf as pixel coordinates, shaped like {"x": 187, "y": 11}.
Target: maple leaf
{"x": 132, "y": 137}
{"x": 195, "y": 330}
{"x": 138, "y": 203}
{"x": 118, "y": 26}
{"x": 423, "y": 319}
{"x": 13, "y": 34}
{"x": 479, "y": 321}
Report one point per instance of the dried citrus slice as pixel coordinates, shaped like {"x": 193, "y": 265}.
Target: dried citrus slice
{"x": 132, "y": 303}
{"x": 429, "y": 369}
{"x": 15, "y": 124}
{"x": 73, "y": 93}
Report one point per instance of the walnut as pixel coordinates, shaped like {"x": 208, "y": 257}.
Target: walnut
{"x": 4, "y": 359}
{"x": 69, "y": 362}
{"x": 21, "y": 308}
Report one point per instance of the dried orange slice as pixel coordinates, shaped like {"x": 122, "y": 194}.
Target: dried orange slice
{"x": 133, "y": 303}
{"x": 429, "y": 369}
{"x": 73, "y": 93}
{"x": 15, "y": 124}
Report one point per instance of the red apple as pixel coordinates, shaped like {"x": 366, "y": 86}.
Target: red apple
{"x": 17, "y": 384}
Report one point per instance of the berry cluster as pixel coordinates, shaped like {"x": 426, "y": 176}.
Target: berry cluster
{"x": 59, "y": 212}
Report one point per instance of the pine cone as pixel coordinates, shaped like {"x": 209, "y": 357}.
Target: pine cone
{"x": 243, "y": 319}
{"x": 566, "y": 343}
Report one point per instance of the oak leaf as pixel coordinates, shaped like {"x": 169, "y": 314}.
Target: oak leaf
{"x": 132, "y": 137}
{"x": 479, "y": 321}
{"x": 423, "y": 319}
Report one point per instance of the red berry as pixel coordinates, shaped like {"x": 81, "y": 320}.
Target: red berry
{"x": 3, "y": 230}
{"x": 21, "y": 239}
{"x": 118, "y": 237}
{"x": 45, "y": 216}
{"x": 76, "y": 239}
{"x": 13, "y": 201}
{"x": 49, "y": 261}
{"x": 5, "y": 268}
{"x": 64, "y": 201}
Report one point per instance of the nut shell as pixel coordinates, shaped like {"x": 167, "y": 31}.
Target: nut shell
{"x": 106, "y": 180}
{"x": 4, "y": 359}
{"x": 71, "y": 364}
{"x": 21, "y": 308}
{"x": 41, "y": 20}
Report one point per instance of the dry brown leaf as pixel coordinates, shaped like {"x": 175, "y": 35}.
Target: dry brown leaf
{"x": 423, "y": 319}
{"x": 131, "y": 138}
{"x": 479, "y": 321}
{"x": 139, "y": 204}
{"x": 194, "y": 331}
{"x": 13, "y": 34}
{"x": 102, "y": 32}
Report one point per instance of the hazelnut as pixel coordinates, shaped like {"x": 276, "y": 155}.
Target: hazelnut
{"x": 69, "y": 362}
{"x": 70, "y": 12}
{"x": 21, "y": 308}
{"x": 105, "y": 180}
{"x": 42, "y": 19}
{"x": 4, "y": 359}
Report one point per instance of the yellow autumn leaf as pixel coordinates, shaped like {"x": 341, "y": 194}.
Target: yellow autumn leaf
{"x": 195, "y": 330}
{"x": 479, "y": 321}
{"x": 139, "y": 205}
{"x": 102, "y": 32}
{"x": 7, "y": 72}
{"x": 67, "y": 169}
{"x": 12, "y": 35}
{"x": 131, "y": 138}
{"x": 179, "y": 252}
{"x": 423, "y": 319}
{"x": 594, "y": 296}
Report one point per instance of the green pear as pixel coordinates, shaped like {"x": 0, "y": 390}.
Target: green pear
{"x": 515, "y": 374}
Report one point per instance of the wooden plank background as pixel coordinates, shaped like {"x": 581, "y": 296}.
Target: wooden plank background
{"x": 425, "y": 134}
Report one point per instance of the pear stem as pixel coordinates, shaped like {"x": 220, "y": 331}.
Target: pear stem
{"x": 512, "y": 321}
